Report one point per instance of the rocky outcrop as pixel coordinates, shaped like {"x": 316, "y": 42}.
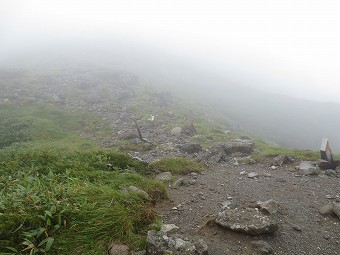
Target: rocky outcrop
{"x": 218, "y": 152}
{"x": 168, "y": 241}
{"x": 191, "y": 148}
{"x": 248, "y": 221}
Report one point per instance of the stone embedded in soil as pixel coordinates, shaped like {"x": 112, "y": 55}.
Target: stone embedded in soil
{"x": 270, "y": 206}
{"x": 336, "y": 208}
{"x": 248, "y": 221}
{"x": 263, "y": 246}
{"x": 165, "y": 176}
{"x": 307, "y": 168}
{"x": 160, "y": 243}
{"x": 118, "y": 249}
{"x": 252, "y": 175}
{"x": 326, "y": 209}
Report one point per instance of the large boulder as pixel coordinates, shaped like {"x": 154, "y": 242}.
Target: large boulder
{"x": 248, "y": 221}
{"x": 167, "y": 242}
{"x": 191, "y": 148}
{"x": 218, "y": 152}
{"x": 245, "y": 146}
{"x": 307, "y": 168}
{"x": 215, "y": 154}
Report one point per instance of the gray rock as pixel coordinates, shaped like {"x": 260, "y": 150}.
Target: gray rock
{"x": 249, "y": 221}
{"x": 214, "y": 154}
{"x": 240, "y": 145}
{"x": 331, "y": 172}
{"x": 176, "y": 131}
{"x": 252, "y": 175}
{"x": 165, "y": 176}
{"x": 307, "y": 168}
{"x": 118, "y": 249}
{"x": 282, "y": 159}
{"x": 326, "y": 209}
{"x": 127, "y": 134}
{"x": 263, "y": 246}
{"x": 336, "y": 208}
{"x": 179, "y": 182}
{"x": 160, "y": 243}
{"x": 191, "y": 148}
{"x": 270, "y": 206}
{"x": 323, "y": 164}
{"x": 169, "y": 228}
{"x": 138, "y": 191}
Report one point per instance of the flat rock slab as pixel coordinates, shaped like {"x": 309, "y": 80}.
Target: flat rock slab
{"x": 248, "y": 221}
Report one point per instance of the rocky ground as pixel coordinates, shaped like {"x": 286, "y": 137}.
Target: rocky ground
{"x": 301, "y": 227}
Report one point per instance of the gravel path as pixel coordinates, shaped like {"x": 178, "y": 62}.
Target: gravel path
{"x": 302, "y": 229}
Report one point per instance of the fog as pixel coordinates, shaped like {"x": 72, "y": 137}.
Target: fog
{"x": 267, "y": 52}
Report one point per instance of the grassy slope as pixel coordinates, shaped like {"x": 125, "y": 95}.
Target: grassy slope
{"x": 57, "y": 195}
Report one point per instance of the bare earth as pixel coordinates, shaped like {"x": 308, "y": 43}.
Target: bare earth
{"x": 302, "y": 229}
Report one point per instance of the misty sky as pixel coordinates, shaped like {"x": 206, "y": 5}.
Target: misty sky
{"x": 285, "y": 46}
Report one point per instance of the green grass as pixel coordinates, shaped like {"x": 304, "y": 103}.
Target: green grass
{"x": 58, "y": 201}
{"x": 264, "y": 151}
{"x": 177, "y": 165}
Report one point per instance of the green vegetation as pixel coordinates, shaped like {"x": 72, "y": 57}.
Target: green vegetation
{"x": 60, "y": 201}
{"x": 177, "y": 165}
{"x": 265, "y": 150}
{"x": 57, "y": 193}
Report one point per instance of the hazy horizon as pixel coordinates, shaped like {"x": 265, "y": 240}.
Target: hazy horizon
{"x": 284, "y": 47}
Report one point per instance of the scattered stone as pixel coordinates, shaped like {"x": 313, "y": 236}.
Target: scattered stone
{"x": 296, "y": 227}
{"x": 139, "y": 191}
{"x": 273, "y": 167}
{"x": 165, "y": 177}
{"x": 262, "y": 246}
{"x": 307, "y": 168}
{"x": 243, "y": 173}
{"x": 118, "y": 249}
{"x": 169, "y": 228}
{"x": 267, "y": 175}
{"x": 252, "y": 175}
{"x": 225, "y": 204}
{"x": 280, "y": 179}
{"x": 282, "y": 159}
{"x": 336, "y": 208}
{"x": 326, "y": 209}
{"x": 191, "y": 148}
{"x": 270, "y": 206}
{"x": 179, "y": 182}
{"x": 330, "y": 172}
{"x": 160, "y": 243}
{"x": 176, "y": 131}
{"x": 249, "y": 221}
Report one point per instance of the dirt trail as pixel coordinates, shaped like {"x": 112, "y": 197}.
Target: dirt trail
{"x": 302, "y": 229}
